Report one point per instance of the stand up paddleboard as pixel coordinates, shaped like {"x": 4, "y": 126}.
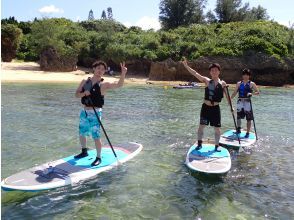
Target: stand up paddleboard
{"x": 230, "y": 138}
{"x": 207, "y": 160}
{"x": 69, "y": 170}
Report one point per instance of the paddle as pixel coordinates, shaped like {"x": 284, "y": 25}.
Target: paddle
{"x": 230, "y": 101}
{"x": 253, "y": 118}
{"x": 91, "y": 102}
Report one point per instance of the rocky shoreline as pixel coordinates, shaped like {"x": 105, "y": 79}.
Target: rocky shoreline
{"x": 267, "y": 71}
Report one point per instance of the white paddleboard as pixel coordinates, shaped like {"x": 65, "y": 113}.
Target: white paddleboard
{"x": 207, "y": 160}
{"x": 230, "y": 138}
{"x": 69, "y": 170}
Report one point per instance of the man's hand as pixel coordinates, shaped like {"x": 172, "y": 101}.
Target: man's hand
{"x": 87, "y": 93}
{"x": 123, "y": 67}
{"x": 249, "y": 95}
{"x": 184, "y": 62}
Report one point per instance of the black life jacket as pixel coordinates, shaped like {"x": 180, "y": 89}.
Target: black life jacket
{"x": 244, "y": 89}
{"x": 95, "y": 91}
{"x": 214, "y": 93}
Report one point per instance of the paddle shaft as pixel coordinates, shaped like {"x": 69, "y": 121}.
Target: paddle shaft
{"x": 230, "y": 101}
{"x": 253, "y": 118}
{"x": 102, "y": 128}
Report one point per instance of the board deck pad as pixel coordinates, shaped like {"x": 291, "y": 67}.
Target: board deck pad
{"x": 230, "y": 138}
{"x": 107, "y": 158}
{"x": 69, "y": 170}
{"x": 207, "y": 160}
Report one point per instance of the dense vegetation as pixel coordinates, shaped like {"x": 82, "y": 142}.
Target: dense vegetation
{"x": 110, "y": 40}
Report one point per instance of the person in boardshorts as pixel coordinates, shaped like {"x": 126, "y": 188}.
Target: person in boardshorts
{"x": 210, "y": 110}
{"x": 245, "y": 88}
{"x": 92, "y": 92}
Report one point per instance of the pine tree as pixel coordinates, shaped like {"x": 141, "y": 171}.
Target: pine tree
{"x": 109, "y": 13}
{"x": 91, "y": 15}
{"x": 103, "y": 16}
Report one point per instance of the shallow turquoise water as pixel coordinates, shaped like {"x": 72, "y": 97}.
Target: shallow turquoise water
{"x": 40, "y": 124}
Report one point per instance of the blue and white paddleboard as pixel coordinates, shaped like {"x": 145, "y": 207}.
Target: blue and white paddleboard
{"x": 207, "y": 160}
{"x": 69, "y": 170}
{"x": 230, "y": 138}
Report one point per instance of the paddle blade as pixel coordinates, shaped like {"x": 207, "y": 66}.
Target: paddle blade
{"x": 241, "y": 149}
{"x": 118, "y": 163}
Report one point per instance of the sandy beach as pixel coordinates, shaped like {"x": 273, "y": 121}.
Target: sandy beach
{"x": 30, "y": 72}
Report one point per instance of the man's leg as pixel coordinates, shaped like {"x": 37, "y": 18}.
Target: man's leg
{"x": 217, "y": 133}
{"x": 240, "y": 115}
{"x": 216, "y": 122}
{"x": 249, "y": 118}
{"x": 97, "y": 140}
{"x": 98, "y": 146}
{"x": 84, "y": 127}
{"x": 200, "y": 136}
{"x": 203, "y": 122}
{"x": 248, "y": 126}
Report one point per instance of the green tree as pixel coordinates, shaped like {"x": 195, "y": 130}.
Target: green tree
{"x": 25, "y": 51}
{"x": 25, "y": 27}
{"x": 232, "y": 10}
{"x": 259, "y": 13}
{"x": 175, "y": 13}
{"x": 109, "y": 13}
{"x": 91, "y": 16}
{"x": 58, "y": 41}
{"x": 227, "y": 10}
{"x": 103, "y": 16}
{"x": 10, "y": 40}
{"x": 210, "y": 17}
{"x": 10, "y": 20}
{"x": 290, "y": 41}
{"x": 103, "y": 25}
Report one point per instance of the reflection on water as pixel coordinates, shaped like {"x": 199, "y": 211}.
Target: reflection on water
{"x": 39, "y": 124}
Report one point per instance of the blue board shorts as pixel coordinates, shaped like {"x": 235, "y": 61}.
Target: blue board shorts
{"x": 89, "y": 124}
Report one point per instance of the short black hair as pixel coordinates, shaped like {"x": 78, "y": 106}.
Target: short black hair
{"x": 98, "y": 63}
{"x": 214, "y": 65}
{"x": 246, "y": 72}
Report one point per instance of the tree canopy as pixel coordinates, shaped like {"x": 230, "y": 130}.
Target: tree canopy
{"x": 110, "y": 40}
{"x": 175, "y": 13}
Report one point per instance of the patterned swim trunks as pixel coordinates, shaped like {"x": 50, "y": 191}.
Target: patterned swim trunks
{"x": 244, "y": 109}
{"x": 89, "y": 124}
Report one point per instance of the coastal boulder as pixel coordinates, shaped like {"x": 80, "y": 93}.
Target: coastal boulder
{"x": 266, "y": 70}
{"x": 51, "y": 61}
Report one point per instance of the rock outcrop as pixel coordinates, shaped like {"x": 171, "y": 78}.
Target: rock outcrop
{"x": 51, "y": 61}
{"x": 265, "y": 70}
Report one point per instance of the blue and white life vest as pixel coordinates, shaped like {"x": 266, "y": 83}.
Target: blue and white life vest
{"x": 244, "y": 89}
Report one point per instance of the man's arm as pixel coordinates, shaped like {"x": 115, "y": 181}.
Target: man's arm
{"x": 194, "y": 73}
{"x": 255, "y": 88}
{"x": 78, "y": 93}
